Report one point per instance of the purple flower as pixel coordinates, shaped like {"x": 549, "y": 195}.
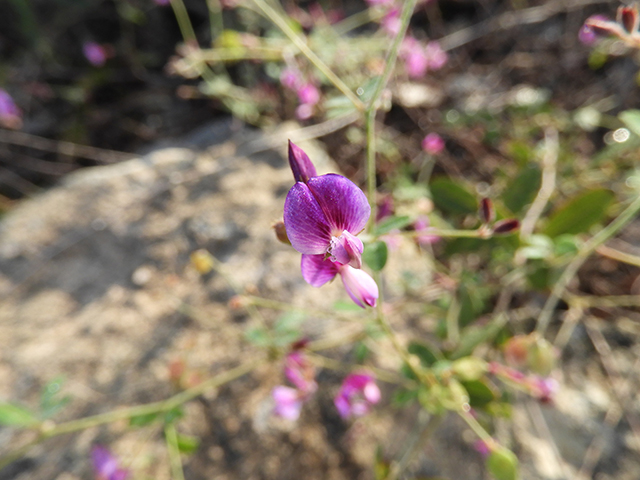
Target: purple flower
{"x": 96, "y": 54}
{"x": 357, "y": 393}
{"x": 436, "y": 57}
{"x": 317, "y": 270}
{"x": 105, "y": 465}
{"x": 323, "y": 214}
{"x": 415, "y": 58}
{"x": 290, "y": 78}
{"x": 288, "y": 402}
{"x": 308, "y": 94}
{"x": 433, "y": 144}
{"x": 391, "y": 22}
{"x": 588, "y": 34}
{"x": 300, "y": 372}
{"x": 10, "y": 114}
{"x": 422, "y": 225}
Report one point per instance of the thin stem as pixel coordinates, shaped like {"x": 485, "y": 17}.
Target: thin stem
{"x": 370, "y": 114}
{"x": 282, "y": 24}
{"x": 587, "y": 249}
{"x": 171, "y": 437}
{"x": 184, "y": 23}
{"x": 478, "y": 429}
{"x": 450, "y": 233}
{"x": 619, "y": 256}
{"x": 140, "y": 410}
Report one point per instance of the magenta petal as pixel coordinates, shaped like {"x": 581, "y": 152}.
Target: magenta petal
{"x": 346, "y": 249}
{"x": 343, "y": 203}
{"x": 288, "y": 403}
{"x": 317, "y": 271}
{"x": 305, "y": 222}
{"x": 300, "y": 163}
{"x": 362, "y": 289}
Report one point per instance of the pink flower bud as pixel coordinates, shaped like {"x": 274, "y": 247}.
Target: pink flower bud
{"x": 357, "y": 394}
{"x": 433, "y": 144}
{"x": 308, "y": 94}
{"x": 96, "y": 54}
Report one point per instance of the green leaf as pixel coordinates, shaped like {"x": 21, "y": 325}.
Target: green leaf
{"x": 375, "y": 255}
{"x": 368, "y": 89}
{"x": 402, "y": 397}
{"x": 258, "y": 336}
{"x": 392, "y": 223}
{"x": 143, "y": 420}
{"x": 174, "y": 414}
{"x": 480, "y": 394}
{"x": 580, "y": 213}
{"x": 187, "y": 444}
{"x": 452, "y": 197}
{"x": 631, "y": 119}
{"x": 424, "y": 352}
{"x": 503, "y": 464}
{"x": 50, "y": 400}
{"x": 473, "y": 336}
{"x": 16, "y": 416}
{"x": 522, "y": 190}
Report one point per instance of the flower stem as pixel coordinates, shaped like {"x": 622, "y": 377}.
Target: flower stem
{"x": 372, "y": 107}
{"x": 184, "y": 23}
{"x": 171, "y": 437}
{"x": 282, "y": 24}
{"x": 585, "y": 251}
{"x": 127, "y": 413}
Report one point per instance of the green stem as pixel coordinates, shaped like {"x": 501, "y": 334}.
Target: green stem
{"x": 171, "y": 437}
{"x": 184, "y": 23}
{"x": 127, "y": 413}
{"x": 282, "y": 24}
{"x": 449, "y": 233}
{"x": 371, "y": 110}
{"x": 587, "y": 249}
{"x": 478, "y": 429}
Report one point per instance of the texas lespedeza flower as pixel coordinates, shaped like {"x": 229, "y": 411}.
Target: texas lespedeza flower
{"x": 322, "y": 216}
{"x": 106, "y": 466}
{"x": 357, "y": 394}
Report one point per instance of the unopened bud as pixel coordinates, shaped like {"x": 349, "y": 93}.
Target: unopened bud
{"x": 628, "y": 18}
{"x": 504, "y": 227}
{"x": 236, "y": 302}
{"x": 281, "y": 232}
{"x": 542, "y": 357}
{"x": 516, "y": 350}
{"x": 502, "y": 464}
{"x": 487, "y": 212}
{"x": 469, "y": 368}
{"x": 202, "y": 261}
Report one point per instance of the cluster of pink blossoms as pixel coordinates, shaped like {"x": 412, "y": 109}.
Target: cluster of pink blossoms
{"x": 419, "y": 58}
{"x": 308, "y": 94}
{"x": 355, "y": 397}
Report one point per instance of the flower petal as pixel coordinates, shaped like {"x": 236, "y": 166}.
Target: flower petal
{"x": 345, "y": 206}
{"x": 300, "y": 163}
{"x": 346, "y": 249}
{"x": 360, "y": 286}
{"x": 288, "y": 403}
{"x": 317, "y": 271}
{"x": 305, "y": 222}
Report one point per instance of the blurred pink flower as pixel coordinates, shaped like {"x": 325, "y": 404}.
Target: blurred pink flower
{"x": 391, "y": 22}
{"x": 414, "y": 56}
{"x": 357, "y": 394}
{"x": 422, "y": 225}
{"x": 290, "y": 78}
{"x": 587, "y": 34}
{"x": 95, "y": 53}
{"x": 308, "y": 94}
{"x": 10, "y": 114}
{"x": 106, "y": 465}
{"x": 436, "y": 57}
{"x": 301, "y": 374}
{"x": 433, "y": 144}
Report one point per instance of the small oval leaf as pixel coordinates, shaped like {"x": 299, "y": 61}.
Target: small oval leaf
{"x": 580, "y": 213}
{"x": 375, "y": 255}
{"x": 452, "y": 197}
{"x": 16, "y": 416}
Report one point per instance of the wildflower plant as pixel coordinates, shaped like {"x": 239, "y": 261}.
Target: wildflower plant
{"x": 473, "y": 355}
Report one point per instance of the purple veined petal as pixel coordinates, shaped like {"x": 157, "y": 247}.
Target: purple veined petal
{"x": 360, "y": 286}
{"x": 301, "y": 164}
{"x": 317, "y": 271}
{"x": 305, "y": 222}
{"x": 346, "y": 249}
{"x": 345, "y": 206}
{"x": 288, "y": 403}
